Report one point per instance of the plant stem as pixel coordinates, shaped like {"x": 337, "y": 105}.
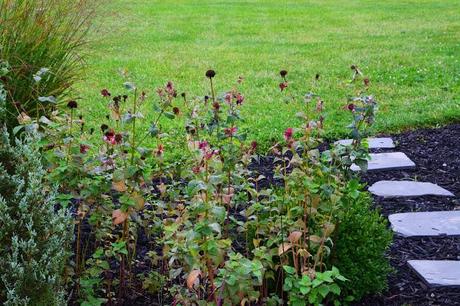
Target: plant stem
{"x": 133, "y": 139}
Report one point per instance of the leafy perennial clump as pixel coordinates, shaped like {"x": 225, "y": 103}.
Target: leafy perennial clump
{"x": 214, "y": 230}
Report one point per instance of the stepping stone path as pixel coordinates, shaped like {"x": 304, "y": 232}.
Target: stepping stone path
{"x": 436, "y": 273}
{"x": 389, "y": 189}
{"x": 387, "y": 161}
{"x": 437, "y": 223}
{"x": 374, "y": 143}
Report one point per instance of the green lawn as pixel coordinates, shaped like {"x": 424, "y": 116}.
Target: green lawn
{"x": 409, "y": 49}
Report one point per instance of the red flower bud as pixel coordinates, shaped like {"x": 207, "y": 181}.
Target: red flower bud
{"x": 288, "y": 134}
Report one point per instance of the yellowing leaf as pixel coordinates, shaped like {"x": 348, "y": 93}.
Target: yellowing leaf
{"x": 294, "y": 237}
{"x": 116, "y": 115}
{"x": 328, "y": 228}
{"x": 23, "y": 118}
{"x": 139, "y": 200}
{"x": 193, "y": 278}
{"x": 283, "y": 248}
{"x": 119, "y": 186}
{"x": 162, "y": 188}
{"x": 315, "y": 239}
{"x": 119, "y": 216}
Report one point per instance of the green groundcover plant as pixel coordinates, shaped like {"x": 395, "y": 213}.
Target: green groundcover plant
{"x": 215, "y": 231}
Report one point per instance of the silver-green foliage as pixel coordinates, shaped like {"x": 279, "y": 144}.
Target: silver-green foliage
{"x": 34, "y": 236}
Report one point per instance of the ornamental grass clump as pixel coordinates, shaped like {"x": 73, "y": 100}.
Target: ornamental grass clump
{"x": 41, "y": 41}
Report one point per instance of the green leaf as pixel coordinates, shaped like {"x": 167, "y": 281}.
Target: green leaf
{"x": 323, "y": 290}
{"x": 289, "y": 269}
{"x": 17, "y": 129}
{"x": 49, "y": 99}
{"x": 129, "y": 86}
{"x": 334, "y": 288}
{"x": 169, "y": 115}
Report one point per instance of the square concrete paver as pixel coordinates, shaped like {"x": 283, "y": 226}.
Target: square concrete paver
{"x": 435, "y": 223}
{"x": 387, "y": 161}
{"x": 374, "y": 143}
{"x": 438, "y": 273}
{"x": 407, "y": 189}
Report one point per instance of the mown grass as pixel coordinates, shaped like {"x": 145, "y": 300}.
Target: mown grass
{"x": 409, "y": 49}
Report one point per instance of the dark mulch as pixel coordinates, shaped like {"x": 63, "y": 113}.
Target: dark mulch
{"x": 436, "y": 153}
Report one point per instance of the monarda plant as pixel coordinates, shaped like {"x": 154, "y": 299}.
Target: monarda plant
{"x": 108, "y": 185}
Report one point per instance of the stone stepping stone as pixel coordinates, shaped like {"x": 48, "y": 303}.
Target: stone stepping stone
{"x": 374, "y": 143}
{"x": 387, "y": 161}
{"x": 436, "y": 223}
{"x": 438, "y": 273}
{"x": 390, "y": 189}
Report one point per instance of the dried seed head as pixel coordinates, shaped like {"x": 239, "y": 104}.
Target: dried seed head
{"x": 210, "y": 73}
{"x": 283, "y": 73}
{"x": 72, "y": 104}
{"x": 105, "y": 93}
{"x": 104, "y": 127}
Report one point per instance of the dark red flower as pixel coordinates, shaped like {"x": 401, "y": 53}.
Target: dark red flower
{"x": 170, "y": 89}
{"x": 209, "y": 154}
{"x": 159, "y": 150}
{"x": 109, "y": 137}
{"x": 176, "y": 111}
{"x": 253, "y": 146}
{"x": 288, "y": 134}
{"x": 319, "y": 105}
{"x": 105, "y": 93}
{"x": 283, "y": 85}
{"x": 84, "y": 149}
{"x": 351, "y": 107}
{"x": 231, "y": 131}
{"x": 366, "y": 82}
{"x": 203, "y": 145}
{"x": 239, "y": 99}
{"x": 216, "y": 106}
{"x": 228, "y": 97}
{"x": 143, "y": 96}
{"x": 118, "y": 138}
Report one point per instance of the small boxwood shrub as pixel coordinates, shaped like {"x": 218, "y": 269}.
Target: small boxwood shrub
{"x": 362, "y": 240}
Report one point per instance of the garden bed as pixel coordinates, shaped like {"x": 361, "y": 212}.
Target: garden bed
{"x": 436, "y": 154}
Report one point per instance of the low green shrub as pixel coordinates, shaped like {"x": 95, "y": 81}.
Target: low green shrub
{"x": 34, "y": 238}
{"x": 360, "y": 245}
